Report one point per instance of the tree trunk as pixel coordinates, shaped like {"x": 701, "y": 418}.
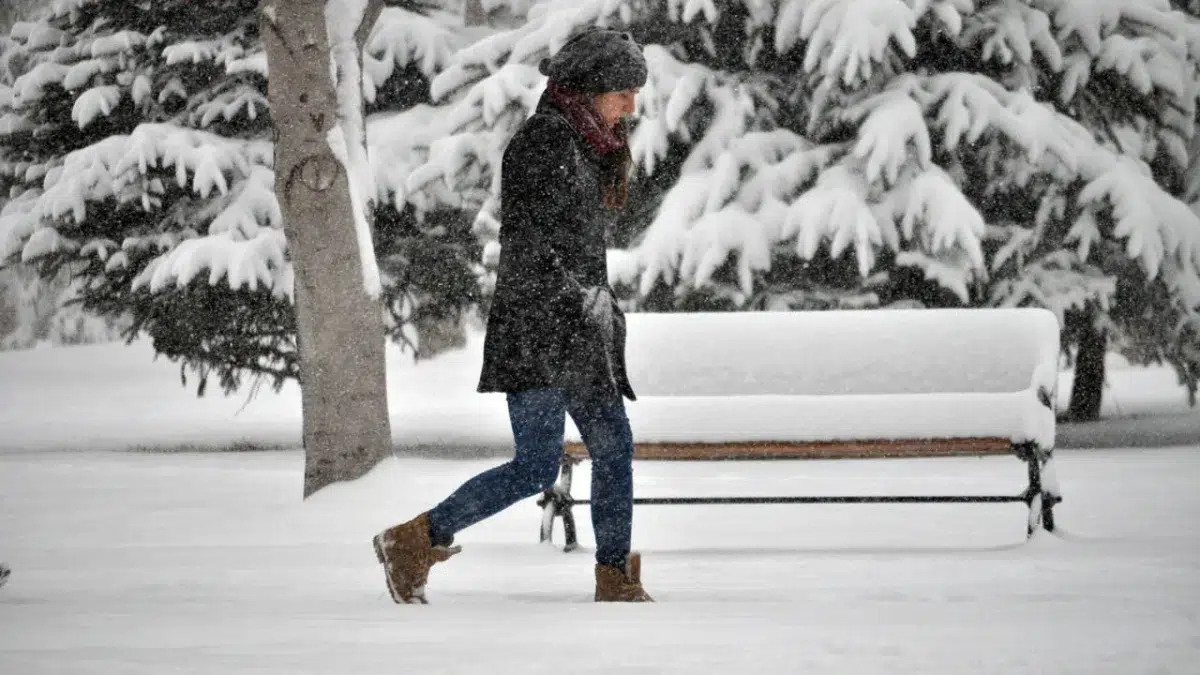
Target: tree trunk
{"x": 1087, "y": 389}
{"x": 339, "y": 325}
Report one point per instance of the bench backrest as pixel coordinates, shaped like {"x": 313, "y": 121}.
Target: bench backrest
{"x": 856, "y": 352}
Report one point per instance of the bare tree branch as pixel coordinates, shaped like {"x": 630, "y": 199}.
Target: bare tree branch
{"x": 370, "y": 16}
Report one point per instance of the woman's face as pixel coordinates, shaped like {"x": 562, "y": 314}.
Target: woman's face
{"x": 614, "y": 105}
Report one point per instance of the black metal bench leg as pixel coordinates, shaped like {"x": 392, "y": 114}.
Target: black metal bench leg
{"x": 557, "y": 502}
{"x": 1040, "y": 500}
{"x": 572, "y": 542}
{"x": 1049, "y": 499}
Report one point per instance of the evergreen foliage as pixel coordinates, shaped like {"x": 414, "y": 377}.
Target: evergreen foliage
{"x": 135, "y": 144}
{"x": 791, "y": 154}
{"x": 835, "y": 153}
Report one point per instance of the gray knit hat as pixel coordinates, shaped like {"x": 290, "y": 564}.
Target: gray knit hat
{"x": 597, "y": 61}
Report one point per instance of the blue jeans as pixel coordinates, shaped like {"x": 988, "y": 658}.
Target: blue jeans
{"x": 538, "y": 418}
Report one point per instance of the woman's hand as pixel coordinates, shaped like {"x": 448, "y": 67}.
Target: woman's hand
{"x": 598, "y": 310}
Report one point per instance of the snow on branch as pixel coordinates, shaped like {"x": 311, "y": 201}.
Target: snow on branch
{"x": 732, "y": 114}
{"x": 942, "y": 228}
{"x": 1059, "y": 281}
{"x": 891, "y": 123}
{"x": 846, "y": 39}
{"x": 781, "y": 165}
{"x": 836, "y": 210}
{"x": 129, "y": 169}
{"x": 250, "y": 208}
{"x": 1008, "y": 33}
{"x": 685, "y": 11}
{"x": 401, "y": 38}
{"x": 12, "y": 124}
{"x": 1188, "y": 30}
{"x": 199, "y": 51}
{"x": 735, "y": 207}
{"x": 548, "y": 36}
{"x": 460, "y": 161}
{"x": 551, "y": 23}
{"x": 1091, "y": 21}
{"x": 117, "y": 43}
{"x": 95, "y": 102}
{"x": 80, "y": 74}
{"x": 880, "y": 191}
{"x": 69, "y": 7}
{"x": 967, "y": 106}
{"x": 1154, "y": 225}
{"x": 242, "y": 262}
{"x": 475, "y": 62}
{"x": 665, "y": 241}
{"x": 1144, "y": 62}
{"x": 672, "y": 92}
{"x": 244, "y": 244}
{"x": 252, "y": 62}
{"x": 17, "y": 223}
{"x": 952, "y": 271}
{"x": 718, "y": 234}
{"x": 28, "y": 87}
{"x": 37, "y": 36}
{"x": 515, "y": 88}
{"x": 488, "y": 88}
{"x": 672, "y": 89}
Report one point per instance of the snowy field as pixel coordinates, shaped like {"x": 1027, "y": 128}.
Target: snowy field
{"x": 209, "y": 563}
{"x": 200, "y": 562}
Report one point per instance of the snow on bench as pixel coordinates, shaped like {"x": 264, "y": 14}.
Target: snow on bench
{"x": 758, "y": 385}
{"x": 874, "y": 375}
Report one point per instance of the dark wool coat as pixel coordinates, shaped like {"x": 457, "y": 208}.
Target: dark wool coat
{"x": 553, "y": 241}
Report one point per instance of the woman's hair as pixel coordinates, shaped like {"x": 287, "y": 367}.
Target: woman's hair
{"x": 611, "y": 144}
{"x": 615, "y": 169}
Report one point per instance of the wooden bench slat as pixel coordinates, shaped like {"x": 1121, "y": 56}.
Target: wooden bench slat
{"x": 858, "y": 449}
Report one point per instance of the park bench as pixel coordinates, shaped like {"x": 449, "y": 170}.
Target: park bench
{"x": 838, "y": 384}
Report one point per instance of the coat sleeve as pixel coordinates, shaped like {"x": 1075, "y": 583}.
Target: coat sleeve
{"x": 537, "y": 175}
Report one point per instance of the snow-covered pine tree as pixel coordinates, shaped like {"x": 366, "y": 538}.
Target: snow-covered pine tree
{"x": 864, "y": 152}
{"x": 36, "y": 308}
{"x": 427, "y": 264}
{"x": 140, "y": 151}
{"x": 136, "y": 144}
{"x": 1105, "y": 243}
{"x": 725, "y": 141}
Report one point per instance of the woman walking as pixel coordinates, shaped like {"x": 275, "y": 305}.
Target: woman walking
{"x": 555, "y": 339}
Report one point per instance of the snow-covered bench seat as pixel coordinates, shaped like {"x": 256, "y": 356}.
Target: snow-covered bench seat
{"x": 787, "y": 385}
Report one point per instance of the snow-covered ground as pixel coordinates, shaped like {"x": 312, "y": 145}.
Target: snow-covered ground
{"x": 200, "y": 562}
{"x": 210, "y": 563}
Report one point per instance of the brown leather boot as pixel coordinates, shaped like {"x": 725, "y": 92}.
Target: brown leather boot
{"x": 406, "y": 553}
{"x": 616, "y": 585}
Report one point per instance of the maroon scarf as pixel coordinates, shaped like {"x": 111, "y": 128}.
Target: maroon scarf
{"x": 577, "y": 107}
